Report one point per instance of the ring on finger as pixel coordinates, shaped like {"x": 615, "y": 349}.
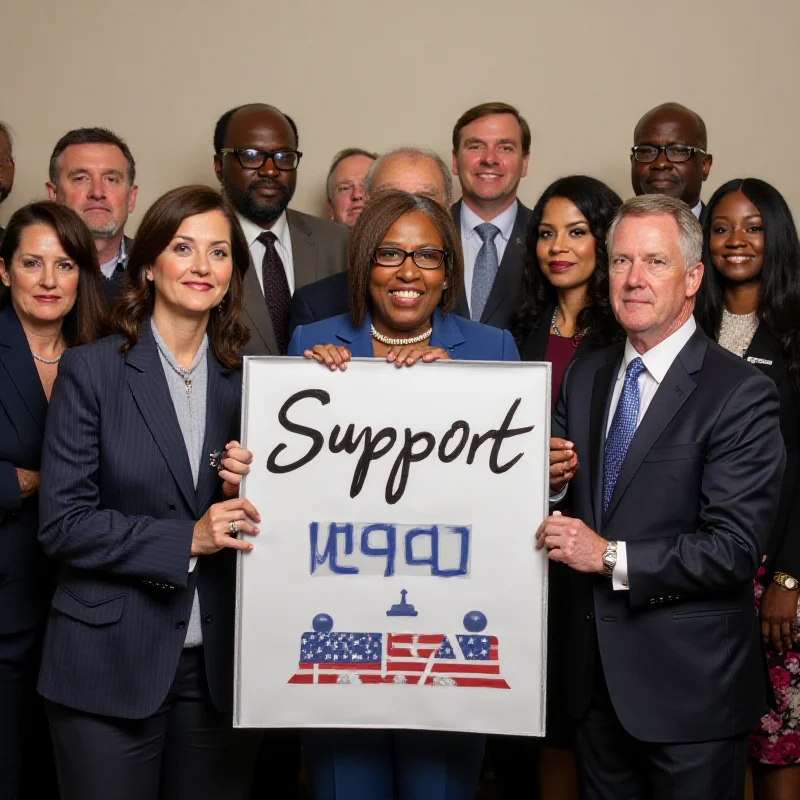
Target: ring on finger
{"x": 234, "y": 526}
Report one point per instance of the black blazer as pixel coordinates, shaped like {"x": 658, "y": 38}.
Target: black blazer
{"x": 534, "y": 348}
{"x": 504, "y": 296}
{"x": 118, "y": 508}
{"x": 25, "y": 575}
{"x": 695, "y": 500}
{"x": 783, "y": 548}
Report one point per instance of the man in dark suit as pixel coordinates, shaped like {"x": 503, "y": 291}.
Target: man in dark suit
{"x": 669, "y": 154}
{"x": 92, "y": 171}
{"x": 6, "y": 164}
{"x": 681, "y": 467}
{"x": 411, "y": 169}
{"x": 491, "y": 148}
{"x": 256, "y": 160}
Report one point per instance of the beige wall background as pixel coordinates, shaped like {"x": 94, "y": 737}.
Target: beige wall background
{"x": 379, "y": 74}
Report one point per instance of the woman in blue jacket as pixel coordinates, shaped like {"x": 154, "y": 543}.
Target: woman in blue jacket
{"x": 405, "y": 275}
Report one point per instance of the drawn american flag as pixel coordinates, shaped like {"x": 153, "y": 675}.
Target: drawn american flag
{"x": 409, "y": 658}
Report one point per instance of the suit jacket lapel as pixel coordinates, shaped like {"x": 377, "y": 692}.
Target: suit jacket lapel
{"x": 767, "y": 351}
{"x": 15, "y": 353}
{"x": 304, "y": 249}
{"x": 148, "y": 384}
{"x": 508, "y": 271}
{"x": 601, "y": 401}
{"x": 223, "y": 408}
{"x": 357, "y": 339}
{"x": 673, "y": 392}
{"x": 255, "y": 313}
{"x": 461, "y": 307}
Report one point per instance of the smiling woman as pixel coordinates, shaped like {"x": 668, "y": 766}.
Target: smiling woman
{"x": 405, "y": 272}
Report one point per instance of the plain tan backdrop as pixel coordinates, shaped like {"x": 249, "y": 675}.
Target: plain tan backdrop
{"x": 377, "y": 74}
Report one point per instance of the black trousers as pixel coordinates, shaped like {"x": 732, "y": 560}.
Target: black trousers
{"x": 26, "y": 755}
{"x": 613, "y": 765}
{"x": 186, "y": 751}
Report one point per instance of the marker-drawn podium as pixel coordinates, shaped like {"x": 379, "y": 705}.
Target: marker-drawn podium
{"x": 468, "y": 659}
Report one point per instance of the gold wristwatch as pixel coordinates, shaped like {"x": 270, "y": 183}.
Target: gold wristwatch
{"x": 609, "y": 559}
{"x": 785, "y": 580}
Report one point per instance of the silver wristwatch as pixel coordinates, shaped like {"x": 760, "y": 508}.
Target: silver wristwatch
{"x": 609, "y": 559}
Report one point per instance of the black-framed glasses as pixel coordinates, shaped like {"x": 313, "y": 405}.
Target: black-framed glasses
{"x": 424, "y": 258}
{"x": 251, "y": 158}
{"x": 675, "y": 153}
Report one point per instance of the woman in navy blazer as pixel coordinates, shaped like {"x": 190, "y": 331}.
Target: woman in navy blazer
{"x": 749, "y": 302}
{"x": 405, "y": 272}
{"x": 51, "y": 298}
{"x": 137, "y": 664}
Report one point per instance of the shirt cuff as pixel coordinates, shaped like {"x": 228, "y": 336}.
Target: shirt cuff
{"x": 558, "y": 496}
{"x": 192, "y": 563}
{"x": 619, "y": 577}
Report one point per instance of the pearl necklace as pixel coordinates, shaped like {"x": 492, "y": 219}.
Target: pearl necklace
{"x": 47, "y": 360}
{"x": 411, "y": 340}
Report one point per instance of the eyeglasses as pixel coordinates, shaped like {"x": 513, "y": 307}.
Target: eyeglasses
{"x": 675, "y": 153}
{"x": 425, "y": 258}
{"x": 250, "y": 158}
{"x": 349, "y": 188}
{"x": 655, "y": 266}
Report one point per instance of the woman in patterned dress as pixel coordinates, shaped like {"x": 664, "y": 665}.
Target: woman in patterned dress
{"x": 750, "y": 303}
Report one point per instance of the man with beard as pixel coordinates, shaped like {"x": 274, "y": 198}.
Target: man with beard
{"x": 256, "y": 159}
{"x": 92, "y": 171}
{"x": 6, "y": 164}
{"x": 669, "y": 154}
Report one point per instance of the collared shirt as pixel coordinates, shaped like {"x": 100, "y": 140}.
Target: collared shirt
{"x": 110, "y": 267}
{"x": 657, "y": 362}
{"x": 697, "y": 210}
{"x": 471, "y": 242}
{"x": 283, "y": 245}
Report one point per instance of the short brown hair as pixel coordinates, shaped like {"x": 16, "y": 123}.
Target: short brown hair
{"x": 337, "y": 159}
{"x": 486, "y": 110}
{"x": 226, "y": 333}
{"x": 373, "y": 224}
{"x": 87, "y": 320}
{"x": 91, "y": 136}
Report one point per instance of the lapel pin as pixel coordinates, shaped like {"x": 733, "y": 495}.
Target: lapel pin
{"x": 215, "y": 458}
{"x": 519, "y": 242}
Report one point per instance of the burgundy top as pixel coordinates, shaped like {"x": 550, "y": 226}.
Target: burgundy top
{"x": 560, "y": 351}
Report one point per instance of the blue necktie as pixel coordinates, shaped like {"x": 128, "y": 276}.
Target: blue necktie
{"x": 485, "y": 269}
{"x": 623, "y": 426}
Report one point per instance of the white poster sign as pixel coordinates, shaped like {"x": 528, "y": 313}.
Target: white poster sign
{"x": 395, "y": 582}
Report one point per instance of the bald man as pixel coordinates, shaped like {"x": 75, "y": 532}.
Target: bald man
{"x": 669, "y": 154}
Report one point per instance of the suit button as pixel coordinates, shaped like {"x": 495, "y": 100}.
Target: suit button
{"x": 207, "y": 619}
{"x": 179, "y": 626}
{"x": 590, "y": 616}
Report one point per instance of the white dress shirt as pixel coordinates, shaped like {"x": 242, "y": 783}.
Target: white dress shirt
{"x": 657, "y": 362}
{"x": 283, "y": 245}
{"x": 698, "y": 209}
{"x": 110, "y": 267}
{"x": 471, "y": 242}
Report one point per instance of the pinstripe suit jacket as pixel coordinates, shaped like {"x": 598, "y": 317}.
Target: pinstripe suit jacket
{"x": 117, "y": 512}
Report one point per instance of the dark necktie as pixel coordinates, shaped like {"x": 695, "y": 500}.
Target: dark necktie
{"x": 623, "y": 426}
{"x": 276, "y": 289}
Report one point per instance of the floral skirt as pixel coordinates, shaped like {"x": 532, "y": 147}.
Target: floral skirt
{"x": 776, "y": 739}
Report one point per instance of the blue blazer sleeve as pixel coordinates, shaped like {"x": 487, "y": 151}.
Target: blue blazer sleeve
{"x": 295, "y": 347}
{"x": 510, "y": 352}
{"x": 74, "y": 528}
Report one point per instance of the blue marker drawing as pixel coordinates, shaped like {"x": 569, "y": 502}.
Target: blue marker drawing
{"x": 402, "y": 609}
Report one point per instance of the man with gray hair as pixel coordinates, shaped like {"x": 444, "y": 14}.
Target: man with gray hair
{"x": 410, "y": 169}
{"x": 681, "y": 466}
{"x": 344, "y": 187}
{"x": 6, "y": 163}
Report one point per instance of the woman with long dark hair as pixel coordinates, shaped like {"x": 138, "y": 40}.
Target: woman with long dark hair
{"x": 51, "y": 298}
{"x": 749, "y": 302}
{"x": 137, "y": 665}
{"x": 564, "y": 312}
